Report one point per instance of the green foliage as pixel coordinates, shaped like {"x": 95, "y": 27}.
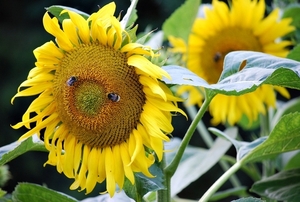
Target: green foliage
{"x": 144, "y": 184}
{"x": 57, "y": 9}
{"x": 292, "y": 11}
{"x": 15, "y": 149}
{"x": 248, "y": 199}
{"x": 246, "y": 124}
{"x": 295, "y": 53}
{"x": 293, "y": 162}
{"x": 238, "y": 191}
{"x": 28, "y": 192}
{"x": 130, "y": 17}
{"x": 196, "y": 161}
{"x": 180, "y": 23}
{"x": 290, "y": 106}
{"x": 260, "y": 69}
{"x": 284, "y": 137}
{"x": 4, "y": 175}
{"x": 283, "y": 186}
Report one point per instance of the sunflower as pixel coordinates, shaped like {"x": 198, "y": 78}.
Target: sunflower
{"x": 222, "y": 30}
{"x": 101, "y": 105}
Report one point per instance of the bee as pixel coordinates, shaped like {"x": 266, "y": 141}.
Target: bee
{"x": 113, "y": 97}
{"x": 71, "y": 81}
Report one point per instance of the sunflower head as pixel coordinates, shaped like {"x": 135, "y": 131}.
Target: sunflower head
{"x": 224, "y": 29}
{"x": 104, "y": 111}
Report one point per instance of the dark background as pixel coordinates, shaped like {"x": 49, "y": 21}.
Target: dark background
{"x": 21, "y": 31}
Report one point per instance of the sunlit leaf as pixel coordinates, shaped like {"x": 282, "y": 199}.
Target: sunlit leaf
{"x": 242, "y": 147}
{"x": 248, "y": 147}
{"x": 118, "y": 197}
{"x": 283, "y": 186}
{"x": 15, "y": 149}
{"x": 248, "y": 199}
{"x": 284, "y": 137}
{"x": 57, "y": 9}
{"x": 180, "y": 23}
{"x": 36, "y": 193}
{"x": 260, "y": 69}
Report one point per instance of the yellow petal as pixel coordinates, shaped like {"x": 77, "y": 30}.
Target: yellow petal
{"x": 146, "y": 66}
{"x": 110, "y": 172}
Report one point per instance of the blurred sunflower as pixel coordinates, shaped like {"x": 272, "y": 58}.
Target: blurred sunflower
{"x": 103, "y": 108}
{"x": 222, "y": 30}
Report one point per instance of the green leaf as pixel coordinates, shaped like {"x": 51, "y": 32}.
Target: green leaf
{"x": 144, "y": 184}
{"x": 28, "y": 192}
{"x": 15, "y": 149}
{"x": 260, "y": 69}
{"x": 119, "y": 196}
{"x": 294, "y": 162}
{"x": 248, "y": 147}
{"x": 290, "y": 106}
{"x": 283, "y": 186}
{"x": 293, "y": 12}
{"x": 284, "y": 137}
{"x": 57, "y": 9}
{"x": 4, "y": 175}
{"x": 242, "y": 148}
{"x": 246, "y": 124}
{"x": 180, "y": 23}
{"x": 295, "y": 53}
{"x": 237, "y": 191}
{"x": 130, "y": 17}
{"x": 248, "y": 199}
{"x": 2, "y": 193}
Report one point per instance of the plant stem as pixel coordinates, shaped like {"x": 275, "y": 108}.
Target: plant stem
{"x": 171, "y": 168}
{"x": 268, "y": 167}
{"x": 251, "y": 169}
{"x": 191, "y": 110}
{"x": 220, "y": 182}
{"x": 164, "y": 194}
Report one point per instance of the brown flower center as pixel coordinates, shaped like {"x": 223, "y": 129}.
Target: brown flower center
{"x": 98, "y": 95}
{"x": 217, "y": 46}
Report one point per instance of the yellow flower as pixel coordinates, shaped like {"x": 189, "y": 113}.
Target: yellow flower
{"x": 222, "y": 30}
{"x": 100, "y": 100}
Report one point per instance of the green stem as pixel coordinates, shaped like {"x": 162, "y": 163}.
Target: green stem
{"x": 206, "y": 137}
{"x": 171, "y": 168}
{"x": 251, "y": 169}
{"x": 268, "y": 168}
{"x": 164, "y": 194}
{"x": 264, "y": 124}
{"x": 214, "y": 188}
